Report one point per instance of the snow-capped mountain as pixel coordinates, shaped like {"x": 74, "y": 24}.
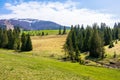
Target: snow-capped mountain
{"x": 31, "y": 24}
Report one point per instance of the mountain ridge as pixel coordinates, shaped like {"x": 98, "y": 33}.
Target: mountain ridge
{"x": 31, "y": 24}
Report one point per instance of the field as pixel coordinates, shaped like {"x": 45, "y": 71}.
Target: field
{"x": 26, "y": 66}
{"x": 39, "y": 32}
{"x": 43, "y": 63}
{"x": 115, "y": 49}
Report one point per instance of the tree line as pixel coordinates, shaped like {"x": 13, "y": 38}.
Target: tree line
{"x": 91, "y": 39}
{"x": 12, "y": 39}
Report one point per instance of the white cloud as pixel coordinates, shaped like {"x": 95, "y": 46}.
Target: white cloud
{"x": 63, "y": 13}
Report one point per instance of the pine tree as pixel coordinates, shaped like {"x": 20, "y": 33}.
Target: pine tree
{"x": 23, "y": 41}
{"x": 28, "y": 43}
{"x": 64, "y": 30}
{"x": 16, "y": 45}
{"x": 1, "y": 33}
{"x": 59, "y": 30}
{"x": 11, "y": 38}
{"x": 107, "y": 36}
{"x": 80, "y": 42}
{"x": 4, "y": 40}
{"x": 68, "y": 46}
{"x": 88, "y": 35}
{"x": 96, "y": 48}
{"x": 74, "y": 38}
{"x": 42, "y": 33}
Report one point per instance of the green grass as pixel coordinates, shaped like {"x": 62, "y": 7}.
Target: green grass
{"x": 39, "y": 65}
{"x": 37, "y": 32}
{"x": 27, "y": 66}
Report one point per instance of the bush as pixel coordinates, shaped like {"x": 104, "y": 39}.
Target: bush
{"x": 115, "y": 55}
{"x": 116, "y": 41}
{"x": 111, "y": 45}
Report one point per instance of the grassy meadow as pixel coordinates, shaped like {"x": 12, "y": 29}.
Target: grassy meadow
{"x": 39, "y": 32}
{"x": 26, "y": 66}
{"x": 115, "y": 49}
{"x": 43, "y": 63}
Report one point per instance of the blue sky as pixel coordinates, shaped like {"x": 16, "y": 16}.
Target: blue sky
{"x": 73, "y": 11}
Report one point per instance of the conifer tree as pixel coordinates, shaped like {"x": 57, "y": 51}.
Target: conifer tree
{"x": 68, "y": 46}
{"x": 64, "y": 30}
{"x": 107, "y": 36}
{"x": 23, "y": 41}
{"x": 4, "y": 40}
{"x": 42, "y": 33}
{"x": 88, "y": 35}
{"x": 10, "y": 39}
{"x": 59, "y": 30}
{"x": 28, "y": 43}
{"x": 16, "y": 45}
{"x": 1, "y": 33}
{"x": 80, "y": 42}
{"x": 96, "y": 48}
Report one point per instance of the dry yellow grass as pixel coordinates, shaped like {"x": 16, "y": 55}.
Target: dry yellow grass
{"x": 51, "y": 43}
{"x": 115, "y": 49}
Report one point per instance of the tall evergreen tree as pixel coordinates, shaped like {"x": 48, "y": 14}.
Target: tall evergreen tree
{"x": 10, "y": 39}
{"x": 23, "y": 41}
{"x": 4, "y": 40}
{"x": 28, "y": 43}
{"x": 107, "y": 36}
{"x": 96, "y": 48}
{"x": 1, "y": 36}
{"x": 64, "y": 30}
{"x": 60, "y": 30}
{"x": 16, "y": 45}
{"x": 80, "y": 42}
{"x": 68, "y": 46}
{"x": 88, "y": 35}
{"x": 43, "y": 34}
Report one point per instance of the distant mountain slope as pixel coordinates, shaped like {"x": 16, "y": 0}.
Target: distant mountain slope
{"x": 32, "y": 24}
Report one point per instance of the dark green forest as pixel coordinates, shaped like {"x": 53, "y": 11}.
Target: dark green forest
{"x": 91, "y": 39}
{"x": 12, "y": 39}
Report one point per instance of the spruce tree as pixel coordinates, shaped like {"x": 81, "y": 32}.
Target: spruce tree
{"x": 107, "y": 36}
{"x": 42, "y": 33}
{"x": 28, "y": 43}
{"x": 88, "y": 35}
{"x": 16, "y": 45}
{"x": 11, "y": 38}
{"x": 1, "y": 33}
{"x": 23, "y": 41}
{"x": 80, "y": 42}
{"x": 59, "y": 30}
{"x": 4, "y": 40}
{"x": 68, "y": 46}
{"x": 96, "y": 48}
{"x": 64, "y": 30}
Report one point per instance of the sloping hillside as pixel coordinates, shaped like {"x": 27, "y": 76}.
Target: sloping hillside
{"x": 39, "y": 64}
{"x": 27, "y": 66}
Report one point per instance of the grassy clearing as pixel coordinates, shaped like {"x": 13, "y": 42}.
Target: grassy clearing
{"x": 25, "y": 66}
{"x": 52, "y": 44}
{"x": 115, "y": 49}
